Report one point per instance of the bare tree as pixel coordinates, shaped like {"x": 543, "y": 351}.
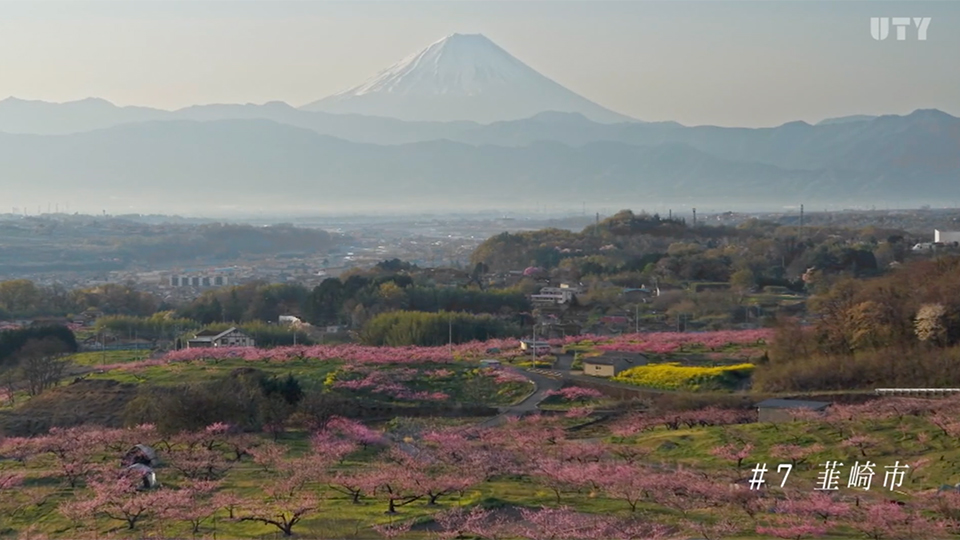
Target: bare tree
{"x": 42, "y": 364}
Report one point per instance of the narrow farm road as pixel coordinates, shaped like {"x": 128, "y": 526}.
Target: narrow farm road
{"x": 542, "y": 385}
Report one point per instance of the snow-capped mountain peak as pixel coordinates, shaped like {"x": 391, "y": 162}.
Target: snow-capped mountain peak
{"x": 464, "y": 64}
{"x": 461, "y": 77}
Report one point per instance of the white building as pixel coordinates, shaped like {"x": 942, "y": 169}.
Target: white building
{"x": 541, "y": 346}
{"x": 945, "y": 237}
{"x": 556, "y": 295}
{"x": 232, "y": 337}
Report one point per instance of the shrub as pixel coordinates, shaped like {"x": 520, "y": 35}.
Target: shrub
{"x": 242, "y": 398}
{"x": 673, "y": 376}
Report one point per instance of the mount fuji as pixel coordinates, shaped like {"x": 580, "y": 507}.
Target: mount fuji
{"x": 461, "y": 77}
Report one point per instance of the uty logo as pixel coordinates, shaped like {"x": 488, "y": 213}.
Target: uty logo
{"x": 880, "y": 27}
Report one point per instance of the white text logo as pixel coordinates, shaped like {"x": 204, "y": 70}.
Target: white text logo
{"x": 880, "y": 27}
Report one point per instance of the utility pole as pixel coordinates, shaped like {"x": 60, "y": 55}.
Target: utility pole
{"x": 450, "y": 334}
{"x": 534, "y": 346}
{"x": 694, "y": 217}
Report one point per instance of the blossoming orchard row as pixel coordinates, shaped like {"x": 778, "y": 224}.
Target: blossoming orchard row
{"x": 658, "y": 342}
{"x": 348, "y": 463}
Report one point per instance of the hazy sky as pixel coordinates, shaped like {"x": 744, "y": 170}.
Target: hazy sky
{"x": 723, "y": 62}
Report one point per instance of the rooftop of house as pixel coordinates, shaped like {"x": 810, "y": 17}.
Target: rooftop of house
{"x": 792, "y": 404}
{"x": 600, "y": 362}
{"x": 212, "y": 335}
{"x": 623, "y": 361}
{"x": 627, "y": 355}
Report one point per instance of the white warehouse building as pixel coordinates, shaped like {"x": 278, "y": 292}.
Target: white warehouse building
{"x": 946, "y": 237}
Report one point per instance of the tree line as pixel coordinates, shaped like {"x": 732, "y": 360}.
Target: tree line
{"x": 898, "y": 330}
{"x": 633, "y": 249}
{"x": 399, "y": 328}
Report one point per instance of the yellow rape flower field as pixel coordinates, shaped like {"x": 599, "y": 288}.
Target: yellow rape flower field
{"x": 674, "y": 376}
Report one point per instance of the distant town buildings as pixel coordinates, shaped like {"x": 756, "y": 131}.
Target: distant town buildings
{"x": 199, "y": 281}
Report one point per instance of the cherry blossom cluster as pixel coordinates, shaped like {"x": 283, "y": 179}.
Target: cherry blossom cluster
{"x": 576, "y": 393}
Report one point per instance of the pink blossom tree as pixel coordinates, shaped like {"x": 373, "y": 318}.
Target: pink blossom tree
{"x": 350, "y": 483}
{"x": 199, "y": 462}
{"x": 819, "y": 504}
{"x": 685, "y": 491}
{"x": 459, "y": 522}
{"x": 394, "y": 484}
{"x": 713, "y": 529}
{"x": 559, "y": 475}
{"x": 734, "y": 452}
{"x": 796, "y": 454}
{"x": 632, "y": 425}
{"x": 892, "y": 521}
{"x": 15, "y": 498}
{"x": 861, "y": 443}
{"x": 576, "y": 393}
{"x": 947, "y": 423}
{"x": 393, "y": 529}
{"x": 227, "y": 500}
{"x": 628, "y": 453}
{"x": 20, "y": 449}
{"x": 565, "y": 524}
{"x": 943, "y": 504}
{"x": 118, "y": 495}
{"x": 74, "y": 451}
{"x": 194, "y": 503}
{"x": 793, "y": 528}
{"x": 283, "y": 504}
{"x": 268, "y": 455}
{"x": 352, "y": 430}
{"x": 628, "y": 483}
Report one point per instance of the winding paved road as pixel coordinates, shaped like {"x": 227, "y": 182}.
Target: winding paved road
{"x": 542, "y": 383}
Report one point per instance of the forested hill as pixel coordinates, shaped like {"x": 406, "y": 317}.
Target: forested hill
{"x": 635, "y": 248}
{"x": 72, "y": 242}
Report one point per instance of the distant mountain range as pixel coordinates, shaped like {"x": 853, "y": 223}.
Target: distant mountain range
{"x": 548, "y": 158}
{"x": 526, "y": 141}
{"x": 923, "y": 140}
